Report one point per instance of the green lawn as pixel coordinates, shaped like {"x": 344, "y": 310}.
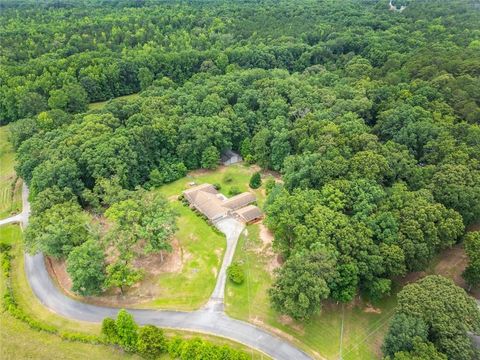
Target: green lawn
{"x": 363, "y": 329}
{"x": 239, "y": 175}
{"x": 99, "y": 105}
{"x": 202, "y": 247}
{"x": 10, "y": 186}
{"x": 202, "y": 253}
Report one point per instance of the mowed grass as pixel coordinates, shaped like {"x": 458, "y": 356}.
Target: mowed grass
{"x": 202, "y": 246}
{"x": 202, "y": 254}
{"x": 228, "y": 177}
{"x": 100, "y": 104}
{"x": 363, "y": 327}
{"x": 10, "y": 186}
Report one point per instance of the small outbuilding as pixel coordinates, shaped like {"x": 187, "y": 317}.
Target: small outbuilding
{"x": 230, "y": 157}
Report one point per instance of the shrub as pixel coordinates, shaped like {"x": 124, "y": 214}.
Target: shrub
{"x": 151, "y": 342}
{"x": 89, "y": 339}
{"x": 235, "y": 273}
{"x": 249, "y": 159}
{"x": 127, "y": 331}
{"x": 234, "y": 191}
{"x": 255, "y": 181}
{"x": 217, "y": 186}
{"x": 228, "y": 178}
{"x": 109, "y": 330}
{"x": 269, "y": 185}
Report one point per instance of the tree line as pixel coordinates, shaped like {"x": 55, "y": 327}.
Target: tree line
{"x": 371, "y": 116}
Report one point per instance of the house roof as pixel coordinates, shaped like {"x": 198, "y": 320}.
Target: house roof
{"x": 249, "y": 213}
{"x": 206, "y": 199}
{"x": 239, "y": 201}
{"x": 209, "y": 205}
{"x": 192, "y": 193}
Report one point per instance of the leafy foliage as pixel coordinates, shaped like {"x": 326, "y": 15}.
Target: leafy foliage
{"x": 235, "y": 273}
{"x": 126, "y": 330}
{"x": 255, "y": 181}
{"x": 58, "y": 230}
{"x": 151, "y": 342}
{"x": 439, "y": 306}
{"x": 472, "y": 248}
{"x": 86, "y": 267}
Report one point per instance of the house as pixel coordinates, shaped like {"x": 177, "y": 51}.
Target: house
{"x": 215, "y": 206}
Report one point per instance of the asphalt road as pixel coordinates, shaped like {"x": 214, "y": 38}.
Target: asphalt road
{"x": 211, "y": 319}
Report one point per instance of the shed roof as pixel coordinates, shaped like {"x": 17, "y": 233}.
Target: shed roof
{"x": 249, "y": 213}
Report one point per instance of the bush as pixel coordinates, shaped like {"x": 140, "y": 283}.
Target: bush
{"x": 235, "y": 273}
{"x": 249, "y": 159}
{"x": 228, "y": 178}
{"x": 109, "y": 330}
{"x": 269, "y": 185}
{"x": 234, "y": 191}
{"x": 88, "y": 339}
{"x": 217, "y": 186}
{"x": 255, "y": 181}
{"x": 151, "y": 342}
{"x": 127, "y": 331}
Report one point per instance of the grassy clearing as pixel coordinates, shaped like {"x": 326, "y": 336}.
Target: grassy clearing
{"x": 202, "y": 253}
{"x": 202, "y": 247}
{"x": 18, "y": 341}
{"x": 364, "y": 327}
{"x": 239, "y": 175}
{"x": 10, "y": 186}
{"x": 99, "y": 105}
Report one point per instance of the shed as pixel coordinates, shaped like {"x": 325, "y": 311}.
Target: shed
{"x": 230, "y": 157}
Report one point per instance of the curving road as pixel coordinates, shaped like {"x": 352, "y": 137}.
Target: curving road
{"x": 210, "y": 319}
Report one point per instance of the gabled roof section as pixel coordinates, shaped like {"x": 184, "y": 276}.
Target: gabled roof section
{"x": 239, "y": 201}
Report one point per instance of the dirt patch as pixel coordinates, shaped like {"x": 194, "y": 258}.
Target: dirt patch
{"x": 450, "y": 263}
{"x": 371, "y": 310}
{"x": 144, "y": 291}
{"x": 274, "y": 261}
{"x": 58, "y": 271}
{"x": 172, "y": 262}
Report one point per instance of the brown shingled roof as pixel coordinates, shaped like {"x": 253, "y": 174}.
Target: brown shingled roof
{"x": 207, "y": 200}
{"x": 239, "y": 201}
{"x": 249, "y": 213}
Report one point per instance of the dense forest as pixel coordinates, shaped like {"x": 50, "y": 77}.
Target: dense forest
{"x": 371, "y": 116}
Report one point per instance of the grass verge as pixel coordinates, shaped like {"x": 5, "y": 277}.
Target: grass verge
{"x": 10, "y": 185}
